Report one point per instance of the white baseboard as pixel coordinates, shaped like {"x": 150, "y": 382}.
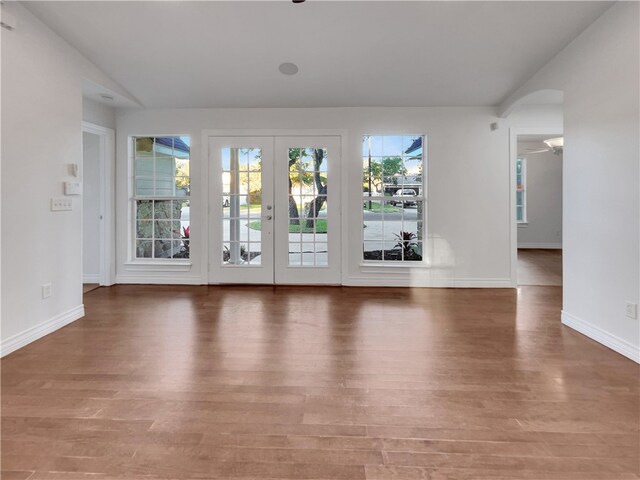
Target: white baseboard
{"x": 91, "y": 278}
{"x": 551, "y": 246}
{"x": 433, "y": 283}
{"x": 32, "y": 334}
{"x": 159, "y": 280}
{"x": 613, "y": 342}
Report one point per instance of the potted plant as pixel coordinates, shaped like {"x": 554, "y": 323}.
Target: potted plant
{"x": 406, "y": 241}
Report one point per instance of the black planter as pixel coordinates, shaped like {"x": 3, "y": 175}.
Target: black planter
{"x": 392, "y": 255}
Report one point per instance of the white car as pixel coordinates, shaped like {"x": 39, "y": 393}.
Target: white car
{"x": 405, "y": 193}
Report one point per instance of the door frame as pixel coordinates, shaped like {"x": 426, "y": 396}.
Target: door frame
{"x": 106, "y": 168}
{"x": 286, "y": 274}
{"x": 514, "y": 132}
{"x": 204, "y": 174}
{"x": 262, "y": 274}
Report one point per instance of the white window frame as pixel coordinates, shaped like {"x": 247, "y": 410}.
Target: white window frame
{"x": 523, "y": 177}
{"x": 422, "y": 196}
{"x": 133, "y": 198}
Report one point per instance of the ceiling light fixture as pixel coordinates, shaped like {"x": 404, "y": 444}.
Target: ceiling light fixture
{"x": 298, "y": 1}
{"x": 106, "y": 96}
{"x": 288, "y": 68}
{"x": 555, "y": 142}
{"x": 554, "y": 145}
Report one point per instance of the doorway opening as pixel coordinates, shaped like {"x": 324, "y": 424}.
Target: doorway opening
{"x": 97, "y": 206}
{"x": 539, "y": 208}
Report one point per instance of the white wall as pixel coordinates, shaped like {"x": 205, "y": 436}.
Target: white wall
{"x": 41, "y": 135}
{"x": 543, "y": 228}
{"x": 91, "y": 208}
{"x": 599, "y": 74}
{"x": 468, "y": 185}
{"x": 98, "y": 113}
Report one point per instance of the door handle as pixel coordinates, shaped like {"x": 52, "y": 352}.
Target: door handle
{"x": 268, "y": 217}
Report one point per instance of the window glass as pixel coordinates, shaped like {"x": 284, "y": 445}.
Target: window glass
{"x": 162, "y": 188}
{"x": 393, "y": 197}
{"x": 521, "y": 190}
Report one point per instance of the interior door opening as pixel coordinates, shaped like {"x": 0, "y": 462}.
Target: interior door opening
{"x": 539, "y": 208}
{"x": 96, "y": 174}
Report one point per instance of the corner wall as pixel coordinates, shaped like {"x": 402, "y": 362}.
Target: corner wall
{"x": 41, "y": 135}
{"x": 599, "y": 74}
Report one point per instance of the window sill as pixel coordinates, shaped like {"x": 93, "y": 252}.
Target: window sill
{"x": 158, "y": 265}
{"x": 523, "y": 224}
{"x": 401, "y": 265}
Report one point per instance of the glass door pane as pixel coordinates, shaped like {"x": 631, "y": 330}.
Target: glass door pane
{"x": 241, "y": 209}
{"x": 307, "y": 207}
{"x": 241, "y": 202}
{"x": 307, "y": 196}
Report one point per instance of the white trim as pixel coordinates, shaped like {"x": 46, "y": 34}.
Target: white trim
{"x": 543, "y": 245}
{"x": 36, "y": 332}
{"x": 380, "y": 266}
{"x": 91, "y": 278}
{"x": 601, "y": 336}
{"x": 270, "y": 132}
{"x": 385, "y": 281}
{"x": 107, "y": 249}
{"x": 513, "y": 156}
{"x": 513, "y": 222}
{"x": 205, "y": 209}
{"x": 159, "y": 280}
{"x": 158, "y": 266}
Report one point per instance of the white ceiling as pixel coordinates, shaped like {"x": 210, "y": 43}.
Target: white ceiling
{"x": 226, "y": 54}
{"x": 544, "y": 97}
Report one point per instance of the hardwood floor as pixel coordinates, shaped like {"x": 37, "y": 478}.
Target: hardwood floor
{"x": 169, "y": 382}
{"x": 88, "y": 287}
{"x": 539, "y": 267}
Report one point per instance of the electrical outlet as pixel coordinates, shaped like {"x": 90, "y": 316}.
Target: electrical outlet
{"x": 632, "y": 310}
{"x": 46, "y": 290}
{"x": 61, "y": 204}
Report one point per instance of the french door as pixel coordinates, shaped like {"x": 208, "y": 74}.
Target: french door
{"x": 274, "y": 208}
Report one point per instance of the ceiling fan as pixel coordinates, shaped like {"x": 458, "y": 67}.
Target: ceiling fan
{"x": 554, "y": 145}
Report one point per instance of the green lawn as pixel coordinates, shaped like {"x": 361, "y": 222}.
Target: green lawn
{"x": 321, "y": 226}
{"x": 376, "y": 207}
{"x": 256, "y": 208}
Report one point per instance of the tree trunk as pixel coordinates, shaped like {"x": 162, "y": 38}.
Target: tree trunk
{"x": 314, "y": 207}
{"x": 294, "y": 216}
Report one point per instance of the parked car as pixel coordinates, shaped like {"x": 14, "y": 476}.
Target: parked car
{"x": 405, "y": 193}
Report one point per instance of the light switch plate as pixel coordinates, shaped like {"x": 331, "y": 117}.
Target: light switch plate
{"x": 61, "y": 204}
{"x": 72, "y": 188}
{"x": 632, "y": 310}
